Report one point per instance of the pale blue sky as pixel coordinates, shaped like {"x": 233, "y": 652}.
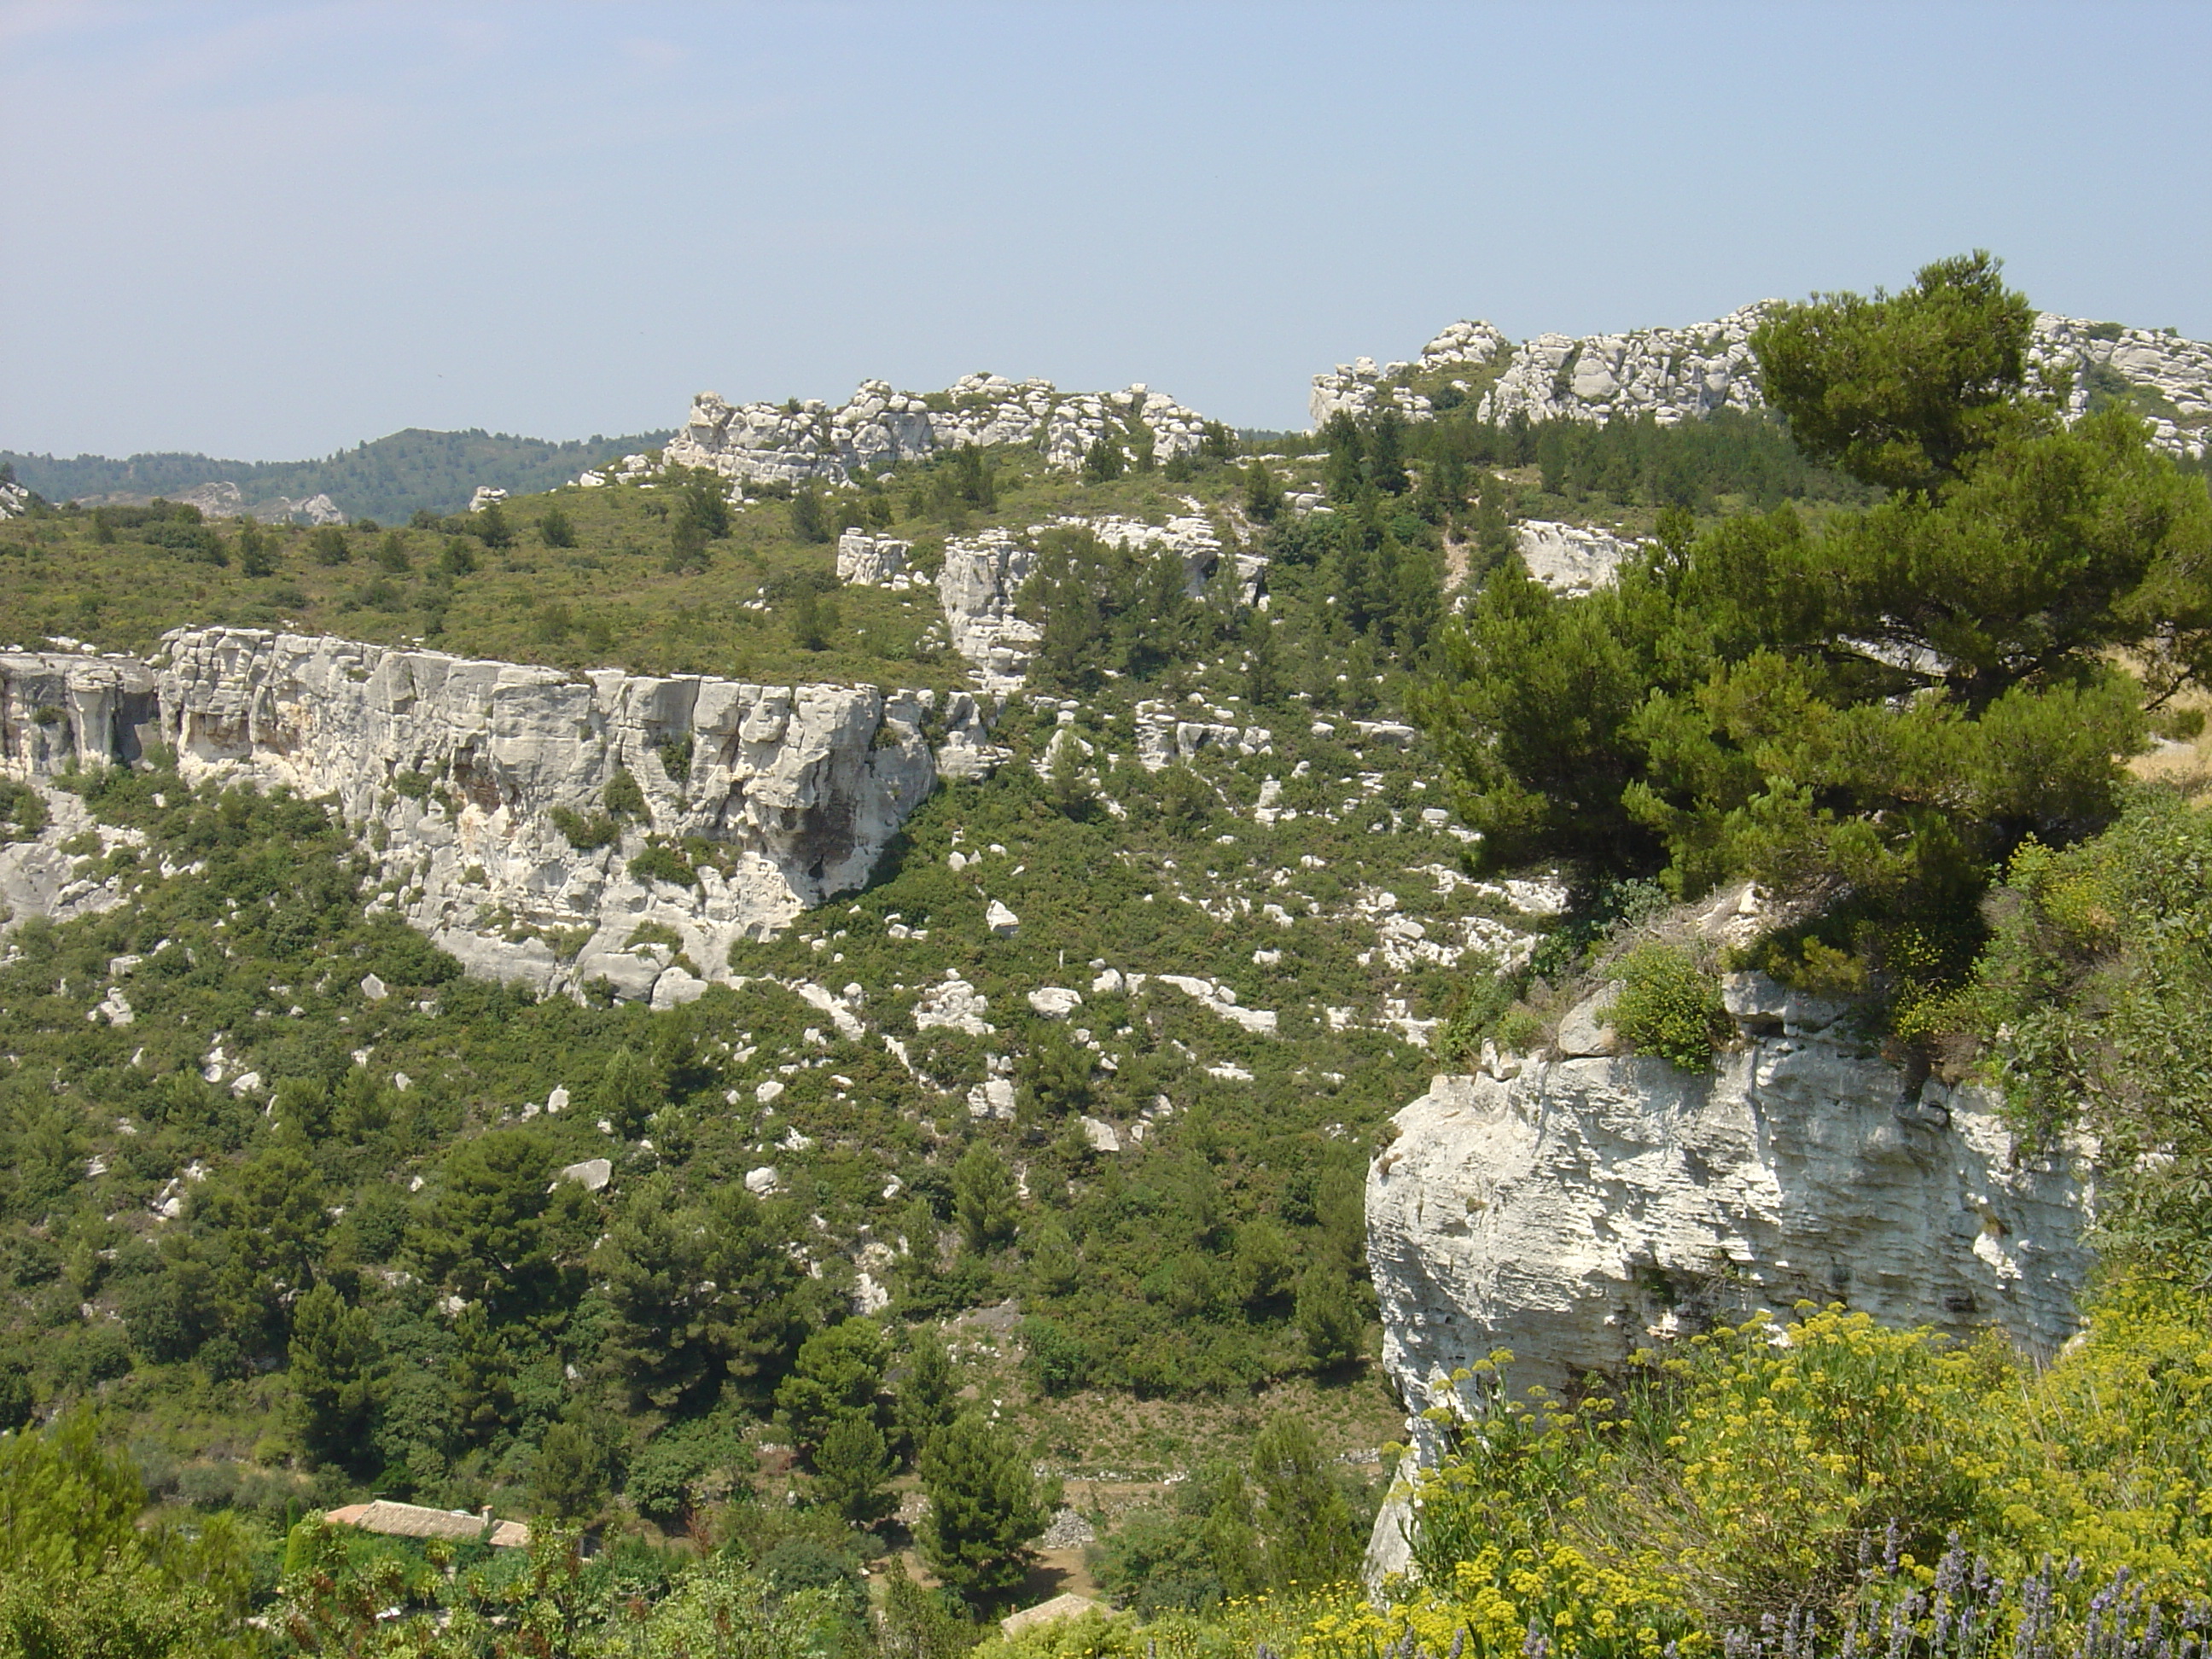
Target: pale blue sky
{"x": 268, "y": 230}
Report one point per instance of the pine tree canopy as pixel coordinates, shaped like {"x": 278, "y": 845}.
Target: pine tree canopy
{"x": 1885, "y": 702}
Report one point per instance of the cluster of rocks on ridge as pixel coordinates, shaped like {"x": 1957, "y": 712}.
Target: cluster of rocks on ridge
{"x": 1683, "y": 373}
{"x": 879, "y": 427}
{"x": 222, "y": 498}
{"x": 980, "y": 582}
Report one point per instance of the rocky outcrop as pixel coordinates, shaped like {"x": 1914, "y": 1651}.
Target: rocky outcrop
{"x": 878, "y": 426}
{"x": 1683, "y": 373}
{"x": 223, "y": 499}
{"x": 1672, "y": 373}
{"x": 2165, "y": 378}
{"x": 15, "y": 500}
{"x": 1574, "y": 1210}
{"x": 867, "y": 561}
{"x": 980, "y": 583}
{"x": 1570, "y": 558}
{"x": 1463, "y": 353}
{"x": 474, "y": 782}
{"x": 979, "y": 587}
{"x": 57, "y": 710}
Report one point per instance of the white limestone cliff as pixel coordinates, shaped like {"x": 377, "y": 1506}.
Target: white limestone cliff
{"x": 1682, "y": 373}
{"x": 1574, "y": 1210}
{"x": 453, "y": 770}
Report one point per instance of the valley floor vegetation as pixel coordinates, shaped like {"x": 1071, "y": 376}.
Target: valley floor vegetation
{"x": 1888, "y": 654}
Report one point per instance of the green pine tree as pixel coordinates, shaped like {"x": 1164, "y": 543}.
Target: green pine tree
{"x": 984, "y": 1506}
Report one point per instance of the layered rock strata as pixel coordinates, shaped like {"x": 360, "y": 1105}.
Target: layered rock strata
{"x": 1683, "y": 373}
{"x": 473, "y": 781}
{"x": 1573, "y": 1210}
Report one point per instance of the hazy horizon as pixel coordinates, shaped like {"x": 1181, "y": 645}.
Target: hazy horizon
{"x": 268, "y": 231}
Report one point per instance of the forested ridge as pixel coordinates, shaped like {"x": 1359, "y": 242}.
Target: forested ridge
{"x": 387, "y": 477}
{"x": 1893, "y": 652}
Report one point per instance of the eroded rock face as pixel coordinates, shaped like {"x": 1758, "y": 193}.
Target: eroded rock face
{"x": 1683, "y": 373}
{"x": 878, "y": 426}
{"x": 454, "y": 772}
{"x": 979, "y": 588}
{"x": 1570, "y": 558}
{"x": 1579, "y": 1209}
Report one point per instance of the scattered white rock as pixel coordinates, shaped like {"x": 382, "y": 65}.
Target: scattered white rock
{"x": 992, "y": 1098}
{"x": 1055, "y": 1001}
{"x": 953, "y": 1002}
{"x": 592, "y": 1175}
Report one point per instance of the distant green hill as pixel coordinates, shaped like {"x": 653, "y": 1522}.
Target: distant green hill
{"x": 388, "y": 479}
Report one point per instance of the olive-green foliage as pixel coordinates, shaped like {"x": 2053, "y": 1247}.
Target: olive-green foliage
{"x": 257, "y": 550}
{"x": 628, "y": 1599}
{"x": 984, "y": 1506}
{"x": 1329, "y": 1315}
{"x": 1892, "y": 701}
{"x": 838, "y": 1374}
{"x": 334, "y": 1355}
{"x": 658, "y": 860}
{"x": 1742, "y": 1476}
{"x": 2088, "y": 999}
{"x": 852, "y": 1465}
{"x": 984, "y": 1200}
{"x": 622, "y": 797}
{"x": 1313, "y": 1533}
{"x": 927, "y": 1396}
{"x": 485, "y": 1233}
{"x": 699, "y": 1294}
{"x": 585, "y": 834}
{"x": 1903, "y": 391}
{"x": 667, "y": 1476}
{"x": 1106, "y": 609}
{"x": 1668, "y": 1006}
{"x": 22, "y": 814}
{"x": 1287, "y": 1516}
{"x": 815, "y": 620}
{"x": 1193, "y": 1555}
{"x": 78, "y": 1575}
{"x": 568, "y": 1477}
{"x": 66, "y": 1498}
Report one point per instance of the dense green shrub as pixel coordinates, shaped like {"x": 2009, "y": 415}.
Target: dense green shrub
{"x": 1668, "y": 1006}
{"x": 585, "y": 834}
{"x": 660, "y": 861}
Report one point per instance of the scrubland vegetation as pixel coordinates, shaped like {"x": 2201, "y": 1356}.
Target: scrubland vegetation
{"x": 1888, "y": 657}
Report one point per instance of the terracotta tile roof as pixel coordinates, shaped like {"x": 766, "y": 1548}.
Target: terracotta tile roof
{"x": 414, "y": 1520}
